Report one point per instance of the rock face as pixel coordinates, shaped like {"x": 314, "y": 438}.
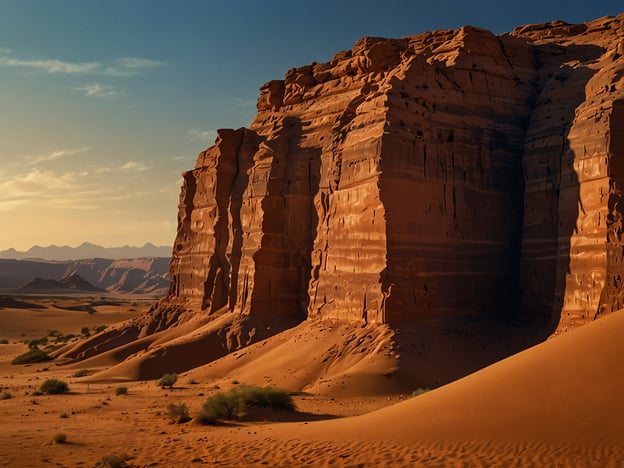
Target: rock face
{"x": 447, "y": 174}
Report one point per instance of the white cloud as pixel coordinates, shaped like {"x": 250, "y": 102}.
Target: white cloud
{"x": 56, "y": 154}
{"x": 125, "y": 66}
{"x": 98, "y": 91}
{"x": 51, "y": 65}
{"x": 197, "y": 134}
{"x": 133, "y": 166}
{"x": 130, "y": 66}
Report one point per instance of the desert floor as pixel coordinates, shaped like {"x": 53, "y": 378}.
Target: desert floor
{"x": 556, "y": 404}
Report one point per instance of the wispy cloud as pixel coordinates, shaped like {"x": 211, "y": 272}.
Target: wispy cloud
{"x": 57, "y": 154}
{"x": 130, "y": 66}
{"x": 134, "y": 166}
{"x": 97, "y": 90}
{"x": 121, "y": 67}
{"x": 51, "y": 65}
{"x": 197, "y": 134}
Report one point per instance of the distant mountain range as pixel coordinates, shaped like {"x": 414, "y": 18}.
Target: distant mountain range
{"x": 135, "y": 275}
{"x": 86, "y": 250}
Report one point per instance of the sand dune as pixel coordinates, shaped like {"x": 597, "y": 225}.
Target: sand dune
{"x": 556, "y": 404}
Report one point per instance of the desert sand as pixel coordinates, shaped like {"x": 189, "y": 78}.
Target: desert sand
{"x": 556, "y": 404}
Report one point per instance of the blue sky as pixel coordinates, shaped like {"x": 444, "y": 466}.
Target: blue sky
{"x": 104, "y": 103}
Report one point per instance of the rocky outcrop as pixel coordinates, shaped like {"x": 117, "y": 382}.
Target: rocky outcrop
{"x": 448, "y": 174}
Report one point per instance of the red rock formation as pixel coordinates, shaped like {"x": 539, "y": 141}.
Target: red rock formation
{"x": 445, "y": 175}
{"x": 440, "y": 175}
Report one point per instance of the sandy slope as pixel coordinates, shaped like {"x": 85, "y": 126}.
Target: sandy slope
{"x": 556, "y": 404}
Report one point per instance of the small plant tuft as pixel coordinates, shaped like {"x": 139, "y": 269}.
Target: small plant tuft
{"x": 54, "y": 387}
{"x": 59, "y": 438}
{"x": 121, "y": 391}
{"x": 231, "y": 404}
{"x": 178, "y": 412}
{"x": 420, "y": 391}
{"x": 6, "y": 396}
{"x": 33, "y": 356}
{"x": 63, "y": 415}
{"x": 114, "y": 460}
{"x": 4, "y": 341}
{"x": 168, "y": 380}
{"x": 81, "y": 373}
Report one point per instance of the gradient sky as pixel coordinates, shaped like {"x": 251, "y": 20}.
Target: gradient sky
{"x": 104, "y": 103}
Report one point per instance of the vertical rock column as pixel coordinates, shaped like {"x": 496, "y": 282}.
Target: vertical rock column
{"x": 200, "y": 269}
{"x": 451, "y": 180}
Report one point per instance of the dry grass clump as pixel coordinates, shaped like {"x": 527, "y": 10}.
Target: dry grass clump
{"x": 54, "y": 387}
{"x": 59, "y": 438}
{"x": 168, "y": 380}
{"x": 32, "y": 356}
{"x": 231, "y": 404}
{"x": 178, "y": 412}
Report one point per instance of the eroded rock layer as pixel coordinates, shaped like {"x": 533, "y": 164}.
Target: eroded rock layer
{"x": 448, "y": 174}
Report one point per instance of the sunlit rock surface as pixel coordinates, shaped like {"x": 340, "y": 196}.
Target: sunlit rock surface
{"x": 443, "y": 175}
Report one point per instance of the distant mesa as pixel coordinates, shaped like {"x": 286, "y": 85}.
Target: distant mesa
{"x": 71, "y": 282}
{"x": 148, "y": 275}
{"x": 86, "y": 250}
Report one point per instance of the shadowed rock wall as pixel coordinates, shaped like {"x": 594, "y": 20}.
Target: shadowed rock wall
{"x": 448, "y": 174}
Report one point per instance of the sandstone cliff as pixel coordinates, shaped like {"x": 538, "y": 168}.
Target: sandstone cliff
{"x": 445, "y": 174}
{"x": 440, "y": 176}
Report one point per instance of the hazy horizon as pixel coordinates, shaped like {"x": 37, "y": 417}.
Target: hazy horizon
{"x": 105, "y": 104}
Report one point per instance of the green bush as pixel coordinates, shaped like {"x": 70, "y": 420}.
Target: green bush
{"x": 265, "y": 397}
{"x": 231, "y": 404}
{"x": 59, "y": 438}
{"x": 168, "y": 380}
{"x": 54, "y": 387}
{"x": 420, "y": 391}
{"x": 219, "y": 406}
{"x": 32, "y": 356}
{"x": 121, "y": 391}
{"x": 6, "y": 396}
{"x": 81, "y": 373}
{"x": 178, "y": 412}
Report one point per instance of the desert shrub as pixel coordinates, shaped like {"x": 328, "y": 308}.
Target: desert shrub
{"x": 100, "y": 328}
{"x": 81, "y": 373}
{"x": 219, "y": 406}
{"x": 54, "y": 387}
{"x": 85, "y": 331}
{"x": 35, "y": 343}
{"x": 168, "y": 380}
{"x": 32, "y": 356}
{"x": 230, "y": 404}
{"x": 59, "y": 438}
{"x": 121, "y": 391}
{"x": 265, "y": 397}
{"x": 63, "y": 415}
{"x": 4, "y": 341}
{"x": 178, "y": 412}
{"x": 6, "y": 396}
{"x": 114, "y": 460}
{"x": 193, "y": 382}
{"x": 420, "y": 391}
